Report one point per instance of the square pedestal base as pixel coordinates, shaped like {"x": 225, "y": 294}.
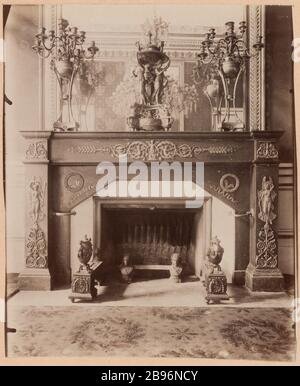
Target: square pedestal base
{"x": 35, "y": 279}
{"x": 265, "y": 280}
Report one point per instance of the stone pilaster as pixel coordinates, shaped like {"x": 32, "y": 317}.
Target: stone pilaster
{"x": 262, "y": 273}
{"x": 36, "y": 274}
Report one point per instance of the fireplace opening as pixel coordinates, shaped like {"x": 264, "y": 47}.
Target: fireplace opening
{"x": 150, "y": 235}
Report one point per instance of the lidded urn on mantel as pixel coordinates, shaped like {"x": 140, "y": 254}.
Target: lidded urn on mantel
{"x": 151, "y": 114}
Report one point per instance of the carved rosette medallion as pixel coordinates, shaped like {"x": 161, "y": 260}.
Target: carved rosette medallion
{"x": 266, "y": 150}
{"x": 229, "y": 183}
{"x": 74, "y": 182}
{"x": 37, "y": 151}
{"x": 266, "y": 254}
{"x": 155, "y": 150}
{"x": 36, "y": 245}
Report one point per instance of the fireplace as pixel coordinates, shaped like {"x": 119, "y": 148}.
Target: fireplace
{"x": 151, "y": 231}
{"x": 239, "y": 168}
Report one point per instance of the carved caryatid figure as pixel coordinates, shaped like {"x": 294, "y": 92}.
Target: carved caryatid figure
{"x": 37, "y": 200}
{"x": 266, "y": 197}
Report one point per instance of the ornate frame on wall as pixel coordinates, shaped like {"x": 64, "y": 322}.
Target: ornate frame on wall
{"x": 178, "y": 50}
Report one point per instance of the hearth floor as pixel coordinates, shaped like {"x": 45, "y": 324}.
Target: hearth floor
{"x": 155, "y": 292}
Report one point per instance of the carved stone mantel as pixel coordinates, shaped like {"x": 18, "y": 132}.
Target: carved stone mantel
{"x": 63, "y": 167}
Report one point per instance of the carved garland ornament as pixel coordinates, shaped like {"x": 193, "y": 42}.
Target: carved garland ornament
{"x": 266, "y": 245}
{"x": 36, "y": 150}
{"x": 36, "y": 245}
{"x": 266, "y": 150}
{"x": 154, "y": 150}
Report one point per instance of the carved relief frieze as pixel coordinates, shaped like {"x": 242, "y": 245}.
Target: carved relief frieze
{"x": 221, "y": 193}
{"x": 266, "y": 255}
{"x": 155, "y": 150}
{"x": 37, "y": 151}
{"x": 82, "y": 194}
{"x": 36, "y": 245}
{"x": 266, "y": 150}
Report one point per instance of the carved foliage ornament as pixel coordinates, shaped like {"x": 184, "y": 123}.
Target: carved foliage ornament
{"x": 36, "y": 248}
{"x": 266, "y": 256}
{"x": 155, "y": 150}
{"x": 266, "y": 150}
{"x": 37, "y": 151}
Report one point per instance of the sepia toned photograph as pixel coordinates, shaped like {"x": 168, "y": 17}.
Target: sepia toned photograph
{"x": 149, "y": 163}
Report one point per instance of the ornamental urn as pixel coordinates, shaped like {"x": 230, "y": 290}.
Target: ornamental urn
{"x": 230, "y": 67}
{"x": 85, "y": 251}
{"x": 215, "y": 252}
{"x": 64, "y": 68}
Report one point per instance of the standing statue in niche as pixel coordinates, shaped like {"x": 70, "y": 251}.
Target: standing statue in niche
{"x": 266, "y": 197}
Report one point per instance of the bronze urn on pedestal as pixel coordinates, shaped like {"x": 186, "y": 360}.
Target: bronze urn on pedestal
{"x": 215, "y": 278}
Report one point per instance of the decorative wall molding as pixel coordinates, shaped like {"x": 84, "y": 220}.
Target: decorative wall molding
{"x": 267, "y": 150}
{"x": 154, "y": 150}
{"x": 256, "y": 69}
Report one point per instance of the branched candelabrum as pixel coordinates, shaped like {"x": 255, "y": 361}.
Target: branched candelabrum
{"x": 224, "y": 61}
{"x": 65, "y": 48}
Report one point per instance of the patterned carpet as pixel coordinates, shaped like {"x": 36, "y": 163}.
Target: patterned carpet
{"x": 231, "y": 333}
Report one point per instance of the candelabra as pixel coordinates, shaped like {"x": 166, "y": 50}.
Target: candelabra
{"x": 67, "y": 55}
{"x": 225, "y": 61}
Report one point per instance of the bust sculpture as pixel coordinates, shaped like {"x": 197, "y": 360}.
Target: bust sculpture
{"x": 126, "y": 269}
{"x": 176, "y": 268}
